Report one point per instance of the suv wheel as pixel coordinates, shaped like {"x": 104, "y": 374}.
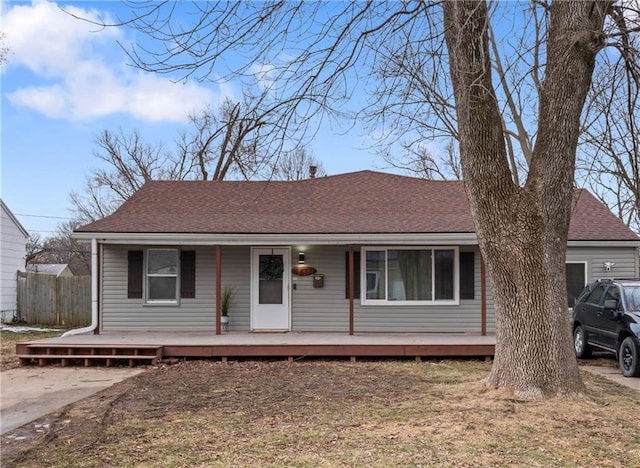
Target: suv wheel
{"x": 583, "y": 350}
{"x": 628, "y": 357}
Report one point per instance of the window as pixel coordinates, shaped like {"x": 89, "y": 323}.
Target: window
{"x": 157, "y": 280}
{"x": 576, "y": 280}
{"x": 162, "y": 275}
{"x": 410, "y": 276}
{"x": 596, "y": 295}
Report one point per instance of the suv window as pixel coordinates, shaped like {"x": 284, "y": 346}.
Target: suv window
{"x": 612, "y": 293}
{"x": 596, "y": 295}
{"x": 632, "y": 297}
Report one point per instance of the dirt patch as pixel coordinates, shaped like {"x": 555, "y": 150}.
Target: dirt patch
{"x": 329, "y": 413}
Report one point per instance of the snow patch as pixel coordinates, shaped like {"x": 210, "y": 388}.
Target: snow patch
{"x": 24, "y": 328}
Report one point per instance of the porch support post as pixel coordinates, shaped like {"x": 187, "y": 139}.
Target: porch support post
{"x": 218, "y": 288}
{"x": 351, "y": 284}
{"x": 483, "y": 297}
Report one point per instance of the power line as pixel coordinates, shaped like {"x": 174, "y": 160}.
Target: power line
{"x": 42, "y": 216}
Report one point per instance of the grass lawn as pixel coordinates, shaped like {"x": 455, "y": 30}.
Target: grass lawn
{"x": 330, "y": 413}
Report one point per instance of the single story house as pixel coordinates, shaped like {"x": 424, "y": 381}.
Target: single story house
{"x": 13, "y": 239}
{"x": 351, "y": 253}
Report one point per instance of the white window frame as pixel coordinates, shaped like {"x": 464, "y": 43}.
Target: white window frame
{"x": 385, "y": 301}
{"x": 147, "y": 275}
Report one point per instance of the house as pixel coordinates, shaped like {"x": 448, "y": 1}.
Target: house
{"x": 57, "y": 269}
{"x": 350, "y": 253}
{"x": 13, "y": 238}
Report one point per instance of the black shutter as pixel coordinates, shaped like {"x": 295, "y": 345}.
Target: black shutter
{"x": 188, "y": 274}
{"x": 467, "y": 275}
{"x": 134, "y": 283}
{"x": 356, "y": 275}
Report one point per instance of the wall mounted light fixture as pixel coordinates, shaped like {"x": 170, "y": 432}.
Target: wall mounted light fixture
{"x": 300, "y": 258}
{"x": 608, "y": 266}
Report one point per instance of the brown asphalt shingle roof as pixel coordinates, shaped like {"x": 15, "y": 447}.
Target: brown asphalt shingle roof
{"x": 364, "y": 202}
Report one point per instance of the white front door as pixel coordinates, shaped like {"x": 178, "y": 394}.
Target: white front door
{"x": 270, "y": 289}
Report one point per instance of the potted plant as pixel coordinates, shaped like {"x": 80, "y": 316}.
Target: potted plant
{"x": 225, "y": 301}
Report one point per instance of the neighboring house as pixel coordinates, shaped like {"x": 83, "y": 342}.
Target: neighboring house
{"x": 57, "y": 269}
{"x": 407, "y": 245}
{"x": 13, "y": 238}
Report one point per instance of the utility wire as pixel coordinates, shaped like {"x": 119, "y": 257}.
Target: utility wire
{"x": 42, "y": 216}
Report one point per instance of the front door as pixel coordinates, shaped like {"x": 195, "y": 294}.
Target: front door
{"x": 270, "y": 289}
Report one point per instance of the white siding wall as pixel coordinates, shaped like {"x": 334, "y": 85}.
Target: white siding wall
{"x": 12, "y": 254}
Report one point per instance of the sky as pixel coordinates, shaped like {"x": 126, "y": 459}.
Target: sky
{"x": 66, "y": 81}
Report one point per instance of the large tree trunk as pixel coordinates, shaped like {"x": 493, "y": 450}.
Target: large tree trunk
{"x": 522, "y": 231}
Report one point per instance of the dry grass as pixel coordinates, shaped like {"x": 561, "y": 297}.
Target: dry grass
{"x": 8, "y": 340}
{"x": 330, "y": 413}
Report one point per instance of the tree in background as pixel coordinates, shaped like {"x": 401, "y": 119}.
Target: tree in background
{"x": 297, "y": 165}
{"x": 33, "y": 247}
{"x": 429, "y": 68}
{"x": 421, "y": 161}
{"x": 233, "y": 142}
{"x": 60, "y": 248}
{"x": 609, "y": 153}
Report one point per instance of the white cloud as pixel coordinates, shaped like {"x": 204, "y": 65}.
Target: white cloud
{"x": 265, "y": 75}
{"x": 78, "y": 79}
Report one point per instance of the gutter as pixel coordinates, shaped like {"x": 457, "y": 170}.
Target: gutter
{"x": 94, "y": 293}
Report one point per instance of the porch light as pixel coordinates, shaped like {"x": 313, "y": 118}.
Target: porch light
{"x": 300, "y": 258}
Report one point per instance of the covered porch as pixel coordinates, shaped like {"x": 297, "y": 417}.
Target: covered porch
{"x": 152, "y": 347}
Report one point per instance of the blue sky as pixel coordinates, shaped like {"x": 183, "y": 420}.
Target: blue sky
{"x": 65, "y": 82}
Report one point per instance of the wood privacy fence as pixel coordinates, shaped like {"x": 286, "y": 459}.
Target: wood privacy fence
{"x": 54, "y": 301}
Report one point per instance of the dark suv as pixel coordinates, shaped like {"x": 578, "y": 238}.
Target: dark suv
{"x": 607, "y": 316}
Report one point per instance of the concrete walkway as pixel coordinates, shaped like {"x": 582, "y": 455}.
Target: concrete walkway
{"x": 614, "y": 374}
{"x": 28, "y": 393}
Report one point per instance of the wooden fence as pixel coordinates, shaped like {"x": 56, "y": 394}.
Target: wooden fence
{"x": 54, "y": 301}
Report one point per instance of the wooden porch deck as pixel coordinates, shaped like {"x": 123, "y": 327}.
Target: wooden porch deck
{"x": 133, "y": 347}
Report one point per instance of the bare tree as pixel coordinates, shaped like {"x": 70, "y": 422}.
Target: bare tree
{"x": 128, "y": 163}
{"x": 297, "y": 164}
{"x": 609, "y": 153}
{"x": 62, "y": 248}
{"x": 429, "y": 67}
{"x": 236, "y": 141}
{"x": 421, "y": 161}
{"x": 33, "y": 247}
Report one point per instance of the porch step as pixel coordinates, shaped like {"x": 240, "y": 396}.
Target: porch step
{"x": 87, "y": 355}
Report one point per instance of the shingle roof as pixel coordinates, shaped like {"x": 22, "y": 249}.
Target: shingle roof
{"x": 47, "y": 268}
{"x": 364, "y": 202}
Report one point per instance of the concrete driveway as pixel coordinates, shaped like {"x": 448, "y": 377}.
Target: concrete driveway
{"x": 28, "y": 393}
{"x": 614, "y": 374}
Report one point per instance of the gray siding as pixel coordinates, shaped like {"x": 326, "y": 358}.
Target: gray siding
{"x": 121, "y": 313}
{"x": 625, "y": 259}
{"x": 327, "y": 309}
{"x": 236, "y": 274}
{"x": 312, "y": 309}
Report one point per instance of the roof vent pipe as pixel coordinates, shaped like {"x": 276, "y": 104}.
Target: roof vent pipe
{"x": 312, "y": 172}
